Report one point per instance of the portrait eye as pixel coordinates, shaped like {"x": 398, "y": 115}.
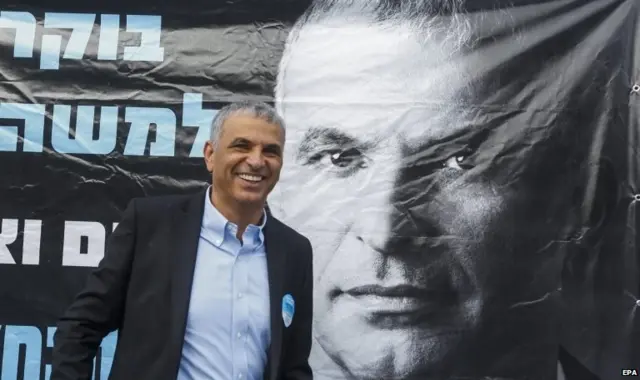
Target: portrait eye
{"x": 347, "y": 158}
{"x": 455, "y": 162}
{"x": 459, "y": 161}
{"x": 342, "y": 162}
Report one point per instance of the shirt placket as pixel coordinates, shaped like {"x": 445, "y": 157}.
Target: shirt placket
{"x": 239, "y": 310}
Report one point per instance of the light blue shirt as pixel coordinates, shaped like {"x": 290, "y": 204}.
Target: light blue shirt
{"x": 228, "y": 323}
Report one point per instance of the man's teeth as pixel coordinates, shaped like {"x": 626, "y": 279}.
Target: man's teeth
{"x": 251, "y": 178}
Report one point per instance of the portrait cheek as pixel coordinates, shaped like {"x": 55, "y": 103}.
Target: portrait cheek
{"x": 326, "y": 245}
{"x": 468, "y": 210}
{"x": 321, "y": 189}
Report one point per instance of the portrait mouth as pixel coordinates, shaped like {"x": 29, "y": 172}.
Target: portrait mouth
{"x": 398, "y": 299}
{"x": 399, "y": 291}
{"x": 400, "y": 306}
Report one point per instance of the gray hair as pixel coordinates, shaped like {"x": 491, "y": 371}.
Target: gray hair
{"x": 445, "y": 20}
{"x": 245, "y": 108}
{"x": 384, "y": 10}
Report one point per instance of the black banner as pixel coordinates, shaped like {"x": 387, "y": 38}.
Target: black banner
{"x": 482, "y": 153}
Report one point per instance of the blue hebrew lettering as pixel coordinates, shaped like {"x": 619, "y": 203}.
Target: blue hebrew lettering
{"x": 14, "y": 336}
{"x": 33, "y": 116}
{"x": 150, "y": 29}
{"x": 194, "y": 116}
{"x": 109, "y": 34}
{"x": 25, "y": 25}
{"x": 83, "y": 142}
{"x": 81, "y": 25}
{"x": 141, "y": 118}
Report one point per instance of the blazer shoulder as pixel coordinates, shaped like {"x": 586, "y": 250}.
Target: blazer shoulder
{"x": 151, "y": 203}
{"x": 153, "y": 209}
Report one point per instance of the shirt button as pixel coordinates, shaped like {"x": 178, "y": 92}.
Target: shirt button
{"x": 218, "y": 242}
{"x": 239, "y": 376}
{"x": 239, "y": 295}
{"x": 239, "y": 335}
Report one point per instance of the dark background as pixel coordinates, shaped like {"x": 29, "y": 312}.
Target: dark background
{"x": 248, "y": 37}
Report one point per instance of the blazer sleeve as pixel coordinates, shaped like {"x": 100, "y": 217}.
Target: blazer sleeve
{"x": 296, "y": 364}
{"x": 97, "y": 310}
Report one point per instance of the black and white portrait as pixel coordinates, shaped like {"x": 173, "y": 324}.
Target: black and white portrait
{"x": 444, "y": 162}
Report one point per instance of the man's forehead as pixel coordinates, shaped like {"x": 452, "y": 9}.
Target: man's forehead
{"x": 247, "y": 122}
{"x": 246, "y": 125}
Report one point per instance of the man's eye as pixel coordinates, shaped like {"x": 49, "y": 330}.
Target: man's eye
{"x": 271, "y": 153}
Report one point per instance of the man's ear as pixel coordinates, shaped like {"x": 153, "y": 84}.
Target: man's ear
{"x": 208, "y": 151}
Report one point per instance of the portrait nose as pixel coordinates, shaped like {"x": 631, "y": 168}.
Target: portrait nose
{"x": 389, "y": 230}
{"x": 374, "y": 226}
{"x": 377, "y": 213}
{"x": 390, "y": 216}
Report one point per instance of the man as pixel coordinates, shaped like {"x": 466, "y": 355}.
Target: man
{"x": 441, "y": 186}
{"x": 205, "y": 286}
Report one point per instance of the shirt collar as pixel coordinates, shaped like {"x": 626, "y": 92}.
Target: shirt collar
{"x": 214, "y": 222}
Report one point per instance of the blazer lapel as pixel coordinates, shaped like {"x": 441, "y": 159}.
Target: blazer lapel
{"x": 276, "y": 262}
{"x": 185, "y": 233}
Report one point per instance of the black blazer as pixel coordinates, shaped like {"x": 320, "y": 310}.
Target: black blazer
{"x": 142, "y": 288}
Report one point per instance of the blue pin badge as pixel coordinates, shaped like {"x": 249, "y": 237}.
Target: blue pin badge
{"x": 288, "y": 309}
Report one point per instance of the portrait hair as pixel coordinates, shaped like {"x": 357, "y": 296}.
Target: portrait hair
{"x": 429, "y": 20}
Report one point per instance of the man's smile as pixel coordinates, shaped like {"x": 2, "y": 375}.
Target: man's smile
{"x": 253, "y": 178}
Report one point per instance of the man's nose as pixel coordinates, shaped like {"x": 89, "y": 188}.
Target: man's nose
{"x": 255, "y": 159}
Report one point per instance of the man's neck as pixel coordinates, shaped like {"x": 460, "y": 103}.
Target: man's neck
{"x": 238, "y": 214}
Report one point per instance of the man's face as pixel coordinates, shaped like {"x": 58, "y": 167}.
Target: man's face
{"x": 420, "y": 225}
{"x": 247, "y": 159}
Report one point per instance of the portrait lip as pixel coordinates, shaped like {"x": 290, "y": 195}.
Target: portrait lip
{"x": 399, "y": 300}
{"x": 400, "y": 306}
{"x": 397, "y": 291}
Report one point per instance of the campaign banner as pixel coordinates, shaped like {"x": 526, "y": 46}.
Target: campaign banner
{"x": 468, "y": 172}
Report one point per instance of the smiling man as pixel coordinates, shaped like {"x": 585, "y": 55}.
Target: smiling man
{"x": 204, "y": 286}
{"x": 441, "y": 184}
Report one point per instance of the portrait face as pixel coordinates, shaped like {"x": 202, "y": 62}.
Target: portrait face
{"x": 247, "y": 159}
{"x": 429, "y": 236}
